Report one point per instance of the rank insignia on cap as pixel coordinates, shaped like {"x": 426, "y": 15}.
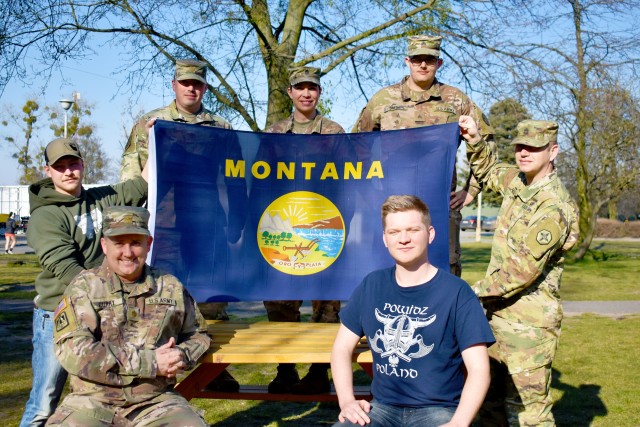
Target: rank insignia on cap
{"x": 543, "y": 237}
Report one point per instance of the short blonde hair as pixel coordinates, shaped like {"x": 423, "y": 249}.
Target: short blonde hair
{"x": 404, "y": 203}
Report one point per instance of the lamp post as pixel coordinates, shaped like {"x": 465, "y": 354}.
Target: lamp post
{"x": 66, "y": 104}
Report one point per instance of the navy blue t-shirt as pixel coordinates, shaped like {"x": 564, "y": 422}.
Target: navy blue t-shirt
{"x": 416, "y": 335}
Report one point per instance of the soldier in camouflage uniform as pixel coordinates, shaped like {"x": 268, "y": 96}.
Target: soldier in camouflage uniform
{"x": 123, "y": 331}
{"x": 421, "y": 100}
{"x": 189, "y": 85}
{"x": 304, "y": 90}
{"x": 536, "y": 226}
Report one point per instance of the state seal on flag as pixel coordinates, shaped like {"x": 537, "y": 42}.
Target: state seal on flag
{"x": 301, "y": 233}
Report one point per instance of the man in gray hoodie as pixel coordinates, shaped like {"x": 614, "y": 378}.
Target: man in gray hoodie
{"x": 64, "y": 230}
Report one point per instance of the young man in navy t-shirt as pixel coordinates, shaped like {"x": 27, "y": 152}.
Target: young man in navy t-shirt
{"x": 426, "y": 330}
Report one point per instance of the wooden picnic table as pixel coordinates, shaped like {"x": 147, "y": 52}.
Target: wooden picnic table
{"x": 268, "y": 342}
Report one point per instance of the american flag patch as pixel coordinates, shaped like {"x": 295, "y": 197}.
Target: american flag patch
{"x": 60, "y": 307}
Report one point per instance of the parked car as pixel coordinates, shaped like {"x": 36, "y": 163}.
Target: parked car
{"x": 489, "y": 224}
{"x": 469, "y": 222}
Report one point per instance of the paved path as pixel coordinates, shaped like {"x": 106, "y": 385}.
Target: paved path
{"x": 21, "y": 245}
{"x": 605, "y": 308}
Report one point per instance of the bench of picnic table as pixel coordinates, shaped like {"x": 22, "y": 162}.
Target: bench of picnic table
{"x": 268, "y": 342}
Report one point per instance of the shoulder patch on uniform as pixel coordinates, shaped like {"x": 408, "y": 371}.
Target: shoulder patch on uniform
{"x": 64, "y": 318}
{"x": 542, "y": 237}
{"x": 61, "y": 322}
{"x": 63, "y": 304}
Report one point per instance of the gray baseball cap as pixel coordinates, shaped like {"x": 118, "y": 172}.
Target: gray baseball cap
{"x": 59, "y": 148}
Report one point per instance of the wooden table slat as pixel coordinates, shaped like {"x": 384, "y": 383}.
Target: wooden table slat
{"x": 268, "y": 343}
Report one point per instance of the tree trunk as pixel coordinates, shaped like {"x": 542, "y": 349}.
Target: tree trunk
{"x": 586, "y": 237}
{"x": 613, "y": 208}
{"x": 587, "y": 218}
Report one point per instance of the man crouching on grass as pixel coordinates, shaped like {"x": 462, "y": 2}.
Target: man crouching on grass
{"x": 124, "y": 331}
{"x": 425, "y": 328}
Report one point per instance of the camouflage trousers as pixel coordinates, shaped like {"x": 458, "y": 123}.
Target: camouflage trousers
{"x": 520, "y": 390}
{"x": 289, "y": 311}
{"x": 168, "y": 409}
{"x": 455, "y": 263}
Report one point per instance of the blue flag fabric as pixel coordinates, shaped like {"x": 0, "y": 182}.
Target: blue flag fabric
{"x": 244, "y": 216}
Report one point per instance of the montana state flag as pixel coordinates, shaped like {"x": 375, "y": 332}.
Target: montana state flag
{"x": 245, "y": 216}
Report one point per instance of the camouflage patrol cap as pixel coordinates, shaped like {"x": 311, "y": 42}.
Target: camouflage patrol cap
{"x": 58, "y": 148}
{"x": 119, "y": 220}
{"x": 304, "y": 74}
{"x": 424, "y": 45}
{"x": 190, "y": 69}
{"x": 536, "y": 133}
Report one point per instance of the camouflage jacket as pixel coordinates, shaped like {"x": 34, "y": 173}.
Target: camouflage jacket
{"x": 537, "y": 224}
{"x": 398, "y": 107}
{"x": 106, "y": 337}
{"x": 136, "y": 152}
{"x": 320, "y": 125}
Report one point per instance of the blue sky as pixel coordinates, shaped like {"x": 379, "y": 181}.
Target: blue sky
{"x": 95, "y": 81}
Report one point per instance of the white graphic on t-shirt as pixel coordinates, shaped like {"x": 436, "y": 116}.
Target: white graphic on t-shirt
{"x": 90, "y": 223}
{"x": 397, "y": 337}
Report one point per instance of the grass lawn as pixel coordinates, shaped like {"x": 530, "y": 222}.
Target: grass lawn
{"x": 596, "y": 381}
{"x": 17, "y": 274}
{"x": 609, "y": 272}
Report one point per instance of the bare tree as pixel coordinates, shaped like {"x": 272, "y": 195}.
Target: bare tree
{"x": 27, "y": 155}
{"x": 554, "y": 55}
{"x": 248, "y": 46}
{"x": 29, "y": 146}
{"x": 98, "y": 165}
{"x": 613, "y": 146}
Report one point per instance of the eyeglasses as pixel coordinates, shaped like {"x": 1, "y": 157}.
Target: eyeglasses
{"x": 418, "y": 60}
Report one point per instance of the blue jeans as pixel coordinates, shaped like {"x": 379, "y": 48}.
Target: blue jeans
{"x": 48, "y": 376}
{"x": 397, "y": 416}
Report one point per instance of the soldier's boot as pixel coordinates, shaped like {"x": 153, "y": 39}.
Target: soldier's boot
{"x": 315, "y": 382}
{"x": 224, "y": 382}
{"x": 285, "y": 379}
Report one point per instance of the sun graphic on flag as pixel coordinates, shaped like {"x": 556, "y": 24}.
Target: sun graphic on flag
{"x": 296, "y": 214}
{"x": 301, "y": 233}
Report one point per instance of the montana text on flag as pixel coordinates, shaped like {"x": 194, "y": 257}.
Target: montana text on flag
{"x": 246, "y": 216}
